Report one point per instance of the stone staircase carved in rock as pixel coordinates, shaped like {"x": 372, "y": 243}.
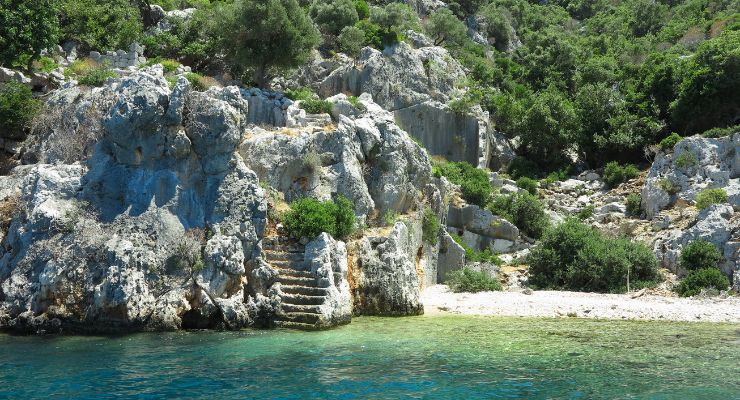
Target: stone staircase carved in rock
{"x": 298, "y": 288}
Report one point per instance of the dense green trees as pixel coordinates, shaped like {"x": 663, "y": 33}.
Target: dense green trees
{"x": 333, "y": 15}
{"x": 265, "y": 36}
{"x": 446, "y": 29}
{"x": 26, "y": 28}
{"x": 101, "y": 25}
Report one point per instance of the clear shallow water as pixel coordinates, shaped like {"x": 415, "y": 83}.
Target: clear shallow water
{"x": 422, "y": 357}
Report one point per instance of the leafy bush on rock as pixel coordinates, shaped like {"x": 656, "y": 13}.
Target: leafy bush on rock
{"x": 700, "y": 254}
{"x": 474, "y": 183}
{"x": 17, "y": 109}
{"x": 523, "y": 210}
{"x": 707, "y": 278}
{"x": 707, "y": 197}
{"x": 614, "y": 173}
{"x": 309, "y": 217}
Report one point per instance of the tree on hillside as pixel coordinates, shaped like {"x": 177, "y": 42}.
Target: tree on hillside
{"x": 333, "y": 15}
{"x": 101, "y": 25}
{"x": 446, "y": 29}
{"x": 266, "y": 36}
{"x": 26, "y": 28}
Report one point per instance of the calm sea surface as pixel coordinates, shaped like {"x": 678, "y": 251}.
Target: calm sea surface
{"x": 435, "y": 357}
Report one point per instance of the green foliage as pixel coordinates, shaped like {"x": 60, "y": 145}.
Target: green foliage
{"x": 686, "y": 159}
{"x": 574, "y": 256}
{"x": 265, "y": 36}
{"x": 707, "y": 197}
{"x": 392, "y": 20}
{"x": 97, "y": 76}
{"x": 430, "y": 227}
{"x": 390, "y": 217}
{"x": 101, "y": 25}
{"x": 668, "y": 186}
{"x": 586, "y": 212}
{"x": 303, "y": 93}
{"x": 351, "y": 40}
{"x": 313, "y": 106}
{"x": 26, "y": 28}
{"x": 710, "y": 85}
{"x": 464, "y": 8}
{"x": 168, "y": 65}
{"x": 333, "y": 15}
{"x": 633, "y": 204}
{"x": 45, "y": 65}
{"x": 472, "y": 281}
{"x": 614, "y": 173}
{"x": 374, "y": 35}
{"x": 309, "y": 217}
{"x": 196, "y": 81}
{"x": 362, "y": 8}
{"x": 721, "y": 132}
{"x": 528, "y": 184}
{"x": 523, "y": 167}
{"x": 472, "y": 255}
{"x": 474, "y": 183}
{"x": 670, "y": 141}
{"x": 357, "y": 104}
{"x": 523, "y": 210}
{"x": 17, "y": 109}
{"x": 702, "y": 279}
{"x": 700, "y": 254}
{"x": 445, "y": 29}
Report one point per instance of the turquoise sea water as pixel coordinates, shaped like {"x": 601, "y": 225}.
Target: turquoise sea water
{"x": 435, "y": 357}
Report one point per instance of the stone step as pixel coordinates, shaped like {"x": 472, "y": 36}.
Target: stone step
{"x": 300, "y": 299}
{"x": 303, "y": 308}
{"x": 306, "y": 318}
{"x": 296, "y": 280}
{"x": 304, "y": 290}
{"x": 296, "y": 325}
{"x": 281, "y": 255}
{"x": 283, "y": 264}
{"x": 289, "y": 248}
{"x": 294, "y": 272}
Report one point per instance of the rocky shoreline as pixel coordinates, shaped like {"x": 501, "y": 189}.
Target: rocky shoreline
{"x": 438, "y": 299}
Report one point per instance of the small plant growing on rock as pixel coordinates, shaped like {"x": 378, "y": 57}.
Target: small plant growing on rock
{"x": 430, "y": 226}
{"x": 472, "y": 281}
{"x": 702, "y": 279}
{"x": 668, "y": 186}
{"x": 303, "y": 93}
{"x": 715, "y": 133}
{"x": 472, "y": 255}
{"x": 669, "y": 142}
{"x": 528, "y": 184}
{"x": 614, "y": 173}
{"x": 188, "y": 252}
{"x": 685, "y": 160}
{"x": 390, "y": 217}
{"x": 311, "y": 162}
{"x": 17, "y": 109}
{"x": 97, "y": 77}
{"x": 633, "y": 204}
{"x": 586, "y": 212}
{"x": 700, "y": 254}
{"x": 474, "y": 183}
{"x": 313, "y": 106}
{"x": 707, "y": 197}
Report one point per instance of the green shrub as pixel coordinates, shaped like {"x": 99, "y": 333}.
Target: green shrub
{"x": 430, "y": 227}
{"x": 168, "y": 66}
{"x": 196, "y": 81}
{"x": 357, "y": 104}
{"x": 574, "y": 256}
{"x": 522, "y": 167}
{"x": 351, "y": 40}
{"x": 316, "y": 106}
{"x": 45, "y": 64}
{"x": 523, "y": 210}
{"x": 669, "y": 142}
{"x": 721, "y": 132}
{"x": 586, "y": 212}
{"x": 700, "y": 254}
{"x": 390, "y": 217}
{"x": 80, "y": 67}
{"x": 469, "y": 280}
{"x": 309, "y": 217}
{"x": 634, "y": 204}
{"x": 707, "y": 278}
{"x": 303, "y": 93}
{"x": 17, "y": 109}
{"x": 707, "y": 197}
{"x": 614, "y": 173}
{"x": 686, "y": 159}
{"x": 97, "y": 77}
{"x": 472, "y": 255}
{"x": 528, "y": 184}
{"x": 474, "y": 183}
{"x": 668, "y": 186}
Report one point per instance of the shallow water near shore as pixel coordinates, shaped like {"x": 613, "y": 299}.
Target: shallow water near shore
{"x": 420, "y": 357}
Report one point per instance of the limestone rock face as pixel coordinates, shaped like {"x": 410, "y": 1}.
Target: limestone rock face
{"x": 153, "y": 232}
{"x": 695, "y": 164}
{"x": 387, "y": 278}
{"x": 369, "y": 160}
{"x": 327, "y": 259}
{"x": 451, "y": 257}
{"x": 719, "y": 225}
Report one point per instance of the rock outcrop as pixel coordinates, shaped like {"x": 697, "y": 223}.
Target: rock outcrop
{"x": 695, "y": 164}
